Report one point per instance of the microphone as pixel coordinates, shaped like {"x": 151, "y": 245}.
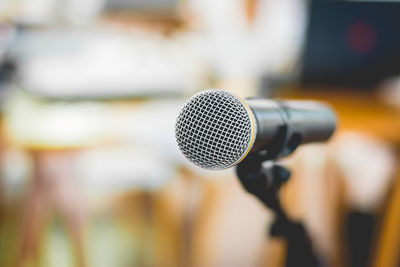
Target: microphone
{"x": 216, "y": 130}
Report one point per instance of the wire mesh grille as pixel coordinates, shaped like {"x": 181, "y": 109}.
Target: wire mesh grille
{"x": 214, "y": 129}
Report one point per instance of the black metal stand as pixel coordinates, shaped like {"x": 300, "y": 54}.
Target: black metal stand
{"x": 263, "y": 178}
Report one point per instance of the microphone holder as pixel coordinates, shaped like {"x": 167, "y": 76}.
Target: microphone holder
{"x": 262, "y": 177}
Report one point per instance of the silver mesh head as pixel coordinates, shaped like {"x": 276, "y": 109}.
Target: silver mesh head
{"x": 215, "y": 129}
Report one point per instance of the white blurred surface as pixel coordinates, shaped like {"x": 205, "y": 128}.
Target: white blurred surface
{"x": 105, "y": 64}
{"x": 368, "y": 165}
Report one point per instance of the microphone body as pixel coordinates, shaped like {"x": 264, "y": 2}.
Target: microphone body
{"x": 299, "y": 122}
{"x": 216, "y": 130}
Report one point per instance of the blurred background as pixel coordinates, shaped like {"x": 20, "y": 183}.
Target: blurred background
{"x": 90, "y": 174}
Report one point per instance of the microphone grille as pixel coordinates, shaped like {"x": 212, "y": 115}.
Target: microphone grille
{"x": 215, "y": 129}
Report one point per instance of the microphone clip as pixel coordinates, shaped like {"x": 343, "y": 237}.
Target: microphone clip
{"x": 263, "y": 178}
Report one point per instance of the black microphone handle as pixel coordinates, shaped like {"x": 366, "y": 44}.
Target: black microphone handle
{"x": 284, "y": 125}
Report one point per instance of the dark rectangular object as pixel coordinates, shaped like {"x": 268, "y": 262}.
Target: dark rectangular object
{"x": 351, "y": 43}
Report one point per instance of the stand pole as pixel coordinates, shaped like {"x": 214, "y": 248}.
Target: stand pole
{"x": 264, "y": 181}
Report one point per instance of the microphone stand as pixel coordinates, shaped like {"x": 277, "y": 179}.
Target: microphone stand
{"x": 264, "y": 181}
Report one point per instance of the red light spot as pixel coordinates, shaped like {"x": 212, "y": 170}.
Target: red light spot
{"x": 362, "y": 37}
